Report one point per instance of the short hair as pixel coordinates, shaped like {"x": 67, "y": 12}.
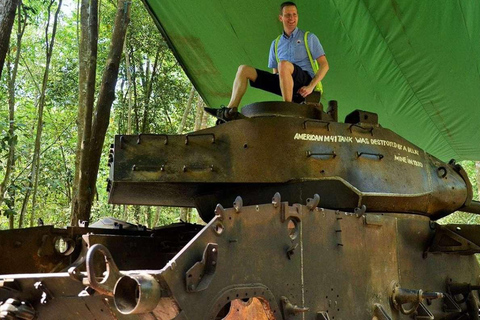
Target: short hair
{"x": 286, "y": 4}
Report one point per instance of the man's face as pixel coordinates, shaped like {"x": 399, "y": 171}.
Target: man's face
{"x": 289, "y": 18}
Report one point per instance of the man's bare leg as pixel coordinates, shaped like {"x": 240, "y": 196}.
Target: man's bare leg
{"x": 285, "y": 71}
{"x": 240, "y": 84}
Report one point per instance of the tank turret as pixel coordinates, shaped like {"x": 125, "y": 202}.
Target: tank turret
{"x": 297, "y": 150}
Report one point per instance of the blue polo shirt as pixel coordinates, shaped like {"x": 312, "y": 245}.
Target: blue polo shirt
{"x": 293, "y": 49}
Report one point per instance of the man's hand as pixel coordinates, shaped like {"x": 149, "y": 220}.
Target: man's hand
{"x": 305, "y": 91}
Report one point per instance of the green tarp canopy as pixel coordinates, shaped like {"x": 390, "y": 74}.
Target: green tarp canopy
{"x": 414, "y": 62}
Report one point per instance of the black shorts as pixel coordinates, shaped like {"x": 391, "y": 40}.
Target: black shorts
{"x": 270, "y": 82}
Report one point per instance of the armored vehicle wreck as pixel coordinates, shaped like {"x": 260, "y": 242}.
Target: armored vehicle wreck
{"x": 307, "y": 218}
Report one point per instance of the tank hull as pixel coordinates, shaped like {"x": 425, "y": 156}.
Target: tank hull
{"x": 347, "y": 164}
{"x": 293, "y": 261}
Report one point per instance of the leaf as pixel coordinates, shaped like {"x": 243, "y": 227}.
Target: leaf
{"x": 9, "y": 212}
{"x": 8, "y": 202}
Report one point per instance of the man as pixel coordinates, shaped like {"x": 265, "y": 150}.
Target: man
{"x": 293, "y": 77}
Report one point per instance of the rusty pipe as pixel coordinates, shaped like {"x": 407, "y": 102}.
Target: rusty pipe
{"x": 473, "y": 207}
{"x": 136, "y": 293}
{"x": 401, "y": 297}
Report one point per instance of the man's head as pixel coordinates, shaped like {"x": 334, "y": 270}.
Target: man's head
{"x": 288, "y": 16}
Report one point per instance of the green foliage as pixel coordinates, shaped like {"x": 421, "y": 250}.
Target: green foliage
{"x": 164, "y": 109}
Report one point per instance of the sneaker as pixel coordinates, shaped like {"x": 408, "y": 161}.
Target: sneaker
{"x": 224, "y": 114}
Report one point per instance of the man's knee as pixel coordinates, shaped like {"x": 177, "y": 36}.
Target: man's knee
{"x": 248, "y": 72}
{"x": 285, "y": 68}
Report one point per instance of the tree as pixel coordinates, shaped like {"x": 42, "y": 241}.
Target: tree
{"x": 477, "y": 176}
{"x": 90, "y": 157}
{"x": 7, "y": 16}
{"x": 87, "y": 75}
{"x": 12, "y": 138}
{"x": 148, "y": 91}
{"x": 49, "y": 42}
{"x": 181, "y": 127}
{"x": 83, "y": 43}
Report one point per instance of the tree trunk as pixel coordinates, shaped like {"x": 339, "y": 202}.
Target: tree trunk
{"x": 148, "y": 91}
{"x": 198, "y": 115}
{"x": 104, "y": 103}
{"x": 11, "y": 217}
{"x": 35, "y": 181}
{"x": 12, "y": 138}
{"x": 84, "y": 192}
{"x": 205, "y": 117}
{"x": 148, "y": 217}
{"x": 136, "y": 214}
{"x": 187, "y": 110}
{"x": 68, "y": 186}
{"x": 7, "y": 16}
{"x": 184, "y": 214}
{"x": 477, "y": 171}
{"x": 143, "y": 72}
{"x": 124, "y": 212}
{"x": 135, "y": 104}
{"x": 129, "y": 88}
{"x": 157, "y": 216}
{"x": 36, "y": 152}
{"x": 82, "y": 93}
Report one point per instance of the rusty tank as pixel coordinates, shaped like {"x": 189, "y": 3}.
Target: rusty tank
{"x": 305, "y": 217}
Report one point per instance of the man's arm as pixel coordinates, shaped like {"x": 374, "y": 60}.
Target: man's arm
{"x": 274, "y": 71}
{"x": 322, "y": 71}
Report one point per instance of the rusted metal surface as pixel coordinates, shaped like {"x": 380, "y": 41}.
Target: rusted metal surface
{"x": 254, "y": 308}
{"x": 348, "y": 164}
{"x": 305, "y": 261}
{"x": 49, "y": 249}
{"x": 34, "y": 250}
{"x": 461, "y": 239}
